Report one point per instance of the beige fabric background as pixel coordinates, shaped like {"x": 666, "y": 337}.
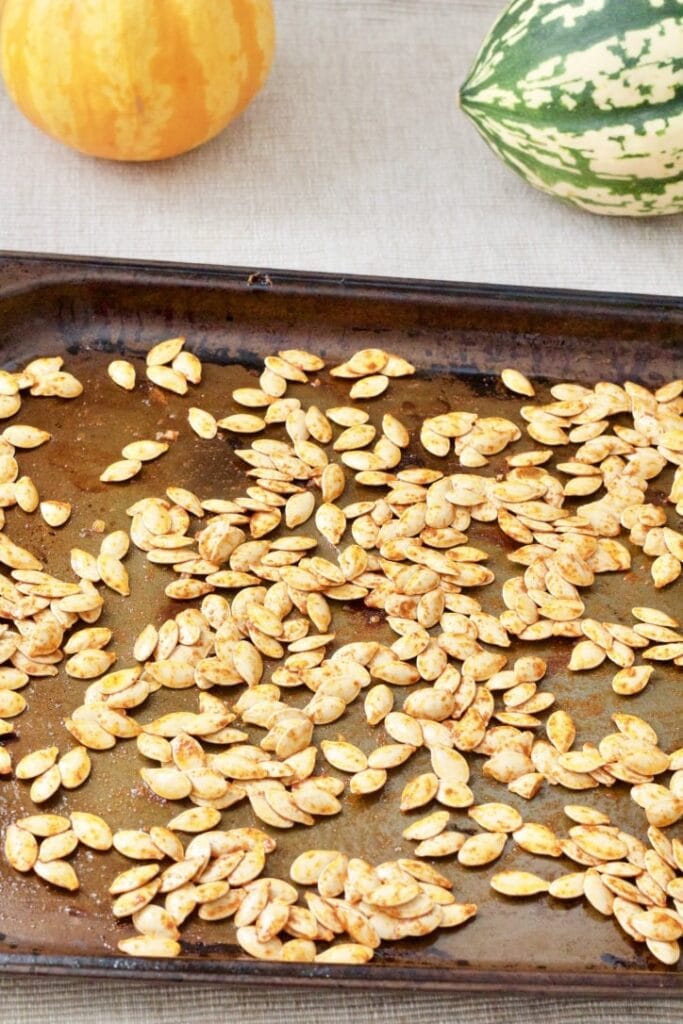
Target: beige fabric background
{"x": 354, "y": 159}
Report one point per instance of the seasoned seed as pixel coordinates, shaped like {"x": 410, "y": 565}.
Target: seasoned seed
{"x": 156, "y": 946}
{"x": 88, "y": 664}
{"x": 567, "y": 887}
{"x": 46, "y": 785}
{"x": 419, "y": 791}
{"x": 242, "y": 423}
{"x": 167, "y": 378}
{"x": 518, "y": 883}
{"x": 133, "y": 878}
{"x": 58, "y": 847}
{"x": 666, "y": 952}
{"x": 116, "y": 472}
{"x": 196, "y": 819}
{"x": 122, "y": 373}
{"x": 481, "y": 849}
{"x": 58, "y": 873}
{"x": 496, "y": 817}
{"x": 538, "y": 839}
{"x": 144, "y": 451}
{"x": 113, "y": 574}
{"x": 344, "y": 756}
{"x": 135, "y": 844}
{"x": 561, "y": 730}
{"x": 370, "y": 780}
{"x": 26, "y": 494}
{"x": 164, "y": 351}
{"x": 21, "y": 848}
{"x": 34, "y": 764}
{"x": 597, "y": 893}
{"x": 55, "y": 513}
{"x": 92, "y": 830}
{"x": 586, "y": 815}
{"x": 44, "y": 825}
{"x": 632, "y": 680}
{"x": 369, "y": 387}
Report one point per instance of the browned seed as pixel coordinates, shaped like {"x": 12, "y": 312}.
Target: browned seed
{"x": 55, "y": 513}
{"x": 144, "y": 451}
{"x": 91, "y": 830}
{"x": 88, "y": 664}
{"x": 58, "y": 847}
{"x": 58, "y": 873}
{"x": 344, "y": 756}
{"x": 518, "y": 883}
{"x": 561, "y": 730}
{"x": 597, "y": 893}
{"x": 46, "y": 785}
{"x": 538, "y": 839}
{"x": 369, "y": 387}
{"x": 242, "y": 423}
{"x": 567, "y": 887}
{"x": 155, "y": 946}
{"x": 21, "y": 848}
{"x": 586, "y": 815}
{"x": 35, "y": 763}
{"x": 44, "y": 824}
{"x": 370, "y": 780}
{"x": 496, "y": 817}
{"x": 247, "y": 938}
{"x": 136, "y": 844}
{"x": 481, "y": 849}
{"x": 196, "y": 819}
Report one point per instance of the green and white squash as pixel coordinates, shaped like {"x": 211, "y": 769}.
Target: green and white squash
{"x": 584, "y": 99}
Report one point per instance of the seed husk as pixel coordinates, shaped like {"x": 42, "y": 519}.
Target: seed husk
{"x": 144, "y": 451}
{"x": 518, "y": 883}
{"x": 117, "y": 472}
{"x": 516, "y": 382}
{"x": 481, "y": 849}
{"x": 21, "y": 848}
{"x": 122, "y": 373}
{"x": 59, "y": 873}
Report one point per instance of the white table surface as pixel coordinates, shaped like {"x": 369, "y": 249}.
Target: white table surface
{"x": 354, "y": 159}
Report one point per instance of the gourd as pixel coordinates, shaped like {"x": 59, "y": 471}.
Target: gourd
{"x": 135, "y": 79}
{"x": 584, "y": 99}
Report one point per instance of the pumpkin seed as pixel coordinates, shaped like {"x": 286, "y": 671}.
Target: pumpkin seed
{"x": 518, "y": 883}
{"x": 117, "y": 472}
{"x": 59, "y": 873}
{"x": 122, "y": 373}
{"x": 21, "y": 848}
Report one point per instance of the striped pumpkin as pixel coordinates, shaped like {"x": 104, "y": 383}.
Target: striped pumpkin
{"x": 584, "y": 99}
{"x": 135, "y": 79}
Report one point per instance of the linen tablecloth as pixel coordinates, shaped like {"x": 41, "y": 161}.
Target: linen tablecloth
{"x": 354, "y": 159}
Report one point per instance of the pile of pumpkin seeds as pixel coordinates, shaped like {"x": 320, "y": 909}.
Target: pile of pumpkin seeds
{"x": 257, "y": 630}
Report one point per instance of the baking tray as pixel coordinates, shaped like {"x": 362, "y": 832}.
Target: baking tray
{"x": 460, "y": 336}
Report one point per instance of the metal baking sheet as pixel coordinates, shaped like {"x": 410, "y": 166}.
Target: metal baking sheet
{"x": 460, "y": 337}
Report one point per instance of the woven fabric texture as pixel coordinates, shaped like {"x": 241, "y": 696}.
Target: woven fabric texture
{"x": 64, "y": 1001}
{"x": 353, "y": 159}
